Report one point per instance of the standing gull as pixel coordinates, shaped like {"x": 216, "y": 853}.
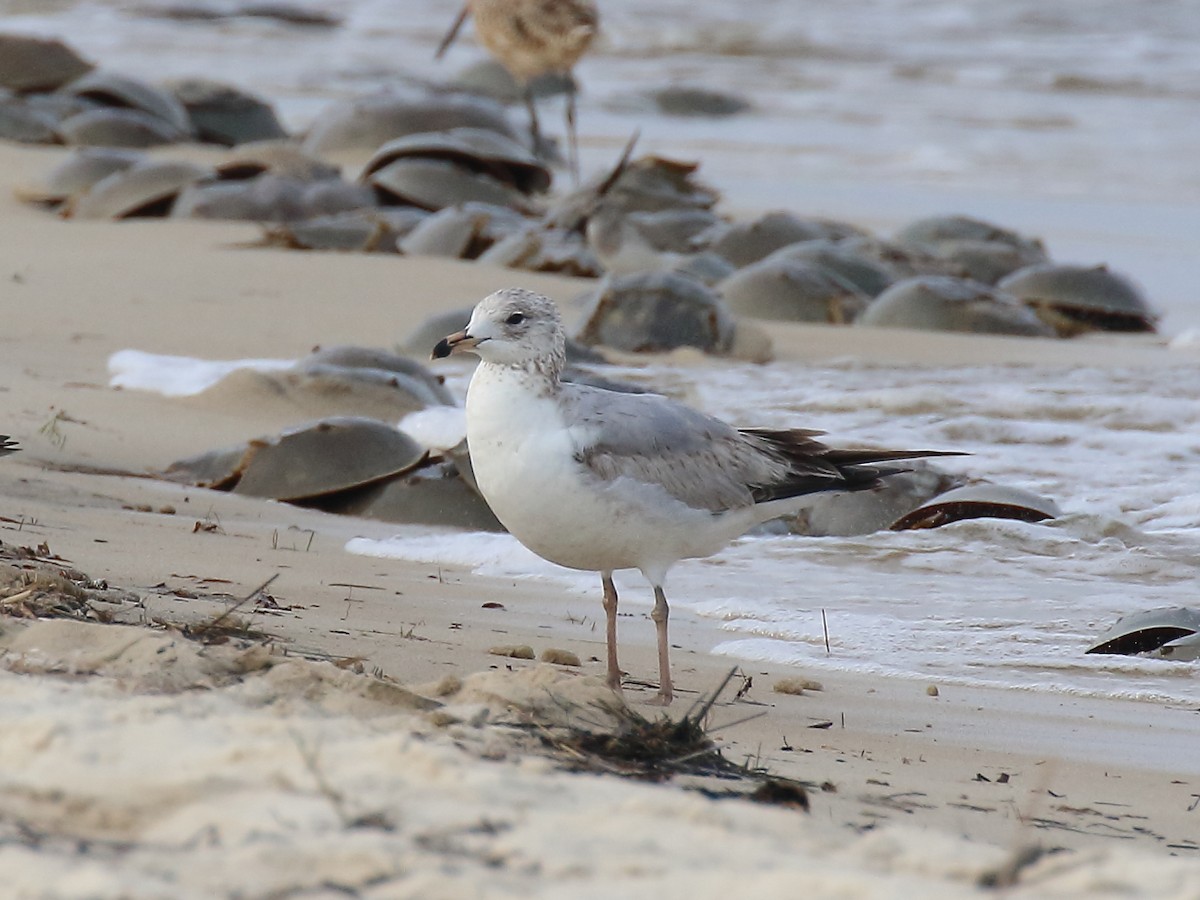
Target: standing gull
{"x": 598, "y": 480}
{"x": 532, "y": 38}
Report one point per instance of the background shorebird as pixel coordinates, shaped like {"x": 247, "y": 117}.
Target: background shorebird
{"x": 532, "y": 38}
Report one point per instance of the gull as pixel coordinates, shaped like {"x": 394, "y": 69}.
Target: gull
{"x": 531, "y": 38}
{"x": 7, "y": 446}
{"x": 597, "y": 480}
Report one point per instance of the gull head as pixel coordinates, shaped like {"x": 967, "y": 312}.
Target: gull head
{"x": 512, "y": 327}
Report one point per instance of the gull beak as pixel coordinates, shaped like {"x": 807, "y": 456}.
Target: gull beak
{"x": 453, "y": 343}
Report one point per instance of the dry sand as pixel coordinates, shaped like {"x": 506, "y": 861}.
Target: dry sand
{"x": 138, "y": 763}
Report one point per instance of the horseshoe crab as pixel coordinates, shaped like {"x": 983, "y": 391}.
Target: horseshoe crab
{"x": 475, "y": 149}
{"x": 899, "y": 260}
{"x": 78, "y": 172}
{"x": 944, "y": 303}
{"x": 361, "y": 230}
{"x": 22, "y": 123}
{"x": 218, "y": 469}
{"x": 223, "y": 114}
{"x": 147, "y": 188}
{"x": 270, "y": 198}
{"x": 987, "y": 261}
{"x": 865, "y": 512}
{"x": 649, "y": 184}
{"x": 631, "y": 242}
{"x": 979, "y": 501}
{"x": 1078, "y": 299}
{"x": 114, "y": 90}
{"x": 434, "y": 184}
{"x": 365, "y": 123}
{"x": 841, "y": 259}
{"x": 325, "y": 457}
{"x": 30, "y": 64}
{"x": 792, "y": 291}
{"x": 656, "y": 312}
{"x": 461, "y": 232}
{"x": 539, "y": 248}
{"x": 744, "y": 243}
{"x": 1171, "y": 633}
{"x": 103, "y": 127}
{"x": 934, "y": 230}
{"x": 280, "y": 157}
{"x": 430, "y": 495}
{"x": 375, "y": 363}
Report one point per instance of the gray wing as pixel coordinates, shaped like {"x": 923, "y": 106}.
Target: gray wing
{"x": 695, "y": 458}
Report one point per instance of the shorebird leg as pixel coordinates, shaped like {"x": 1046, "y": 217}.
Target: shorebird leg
{"x": 660, "y": 613}
{"x": 453, "y": 32}
{"x": 572, "y": 134}
{"x": 610, "y": 615}
{"x": 535, "y": 130}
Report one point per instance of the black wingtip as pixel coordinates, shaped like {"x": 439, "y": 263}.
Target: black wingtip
{"x": 441, "y": 350}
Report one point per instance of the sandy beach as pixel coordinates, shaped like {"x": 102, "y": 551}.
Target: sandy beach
{"x": 369, "y": 748}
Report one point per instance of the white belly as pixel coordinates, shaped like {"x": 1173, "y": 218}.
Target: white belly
{"x": 525, "y": 464}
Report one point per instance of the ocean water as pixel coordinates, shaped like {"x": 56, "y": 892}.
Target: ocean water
{"x": 1070, "y": 120}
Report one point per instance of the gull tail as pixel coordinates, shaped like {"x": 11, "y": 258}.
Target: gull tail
{"x": 814, "y": 467}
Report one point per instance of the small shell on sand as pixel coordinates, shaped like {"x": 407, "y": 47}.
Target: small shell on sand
{"x": 560, "y": 657}
{"x": 516, "y": 651}
{"x": 796, "y": 686}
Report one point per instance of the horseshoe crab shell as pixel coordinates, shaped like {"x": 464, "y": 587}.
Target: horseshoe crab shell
{"x": 476, "y": 149}
{"x": 841, "y": 259}
{"x": 365, "y": 123}
{"x": 147, "y": 188}
{"x": 538, "y": 248}
{"x": 365, "y": 361}
{"x": 430, "y": 495}
{"x": 747, "y": 242}
{"x": 103, "y": 127}
{"x": 223, "y": 114}
{"x": 270, "y": 198}
{"x": 792, "y": 291}
{"x": 281, "y": 157}
{"x": 461, "y": 232}
{"x": 1075, "y": 299}
{"x": 1172, "y": 632}
{"x": 111, "y": 89}
{"x": 362, "y": 230}
{"x": 326, "y": 457}
{"x": 649, "y": 184}
{"x": 434, "y": 184}
{"x": 656, "y": 312}
{"x": 217, "y": 469}
{"x": 987, "y": 261}
{"x": 979, "y": 501}
{"x": 935, "y": 230}
{"x": 22, "y": 123}
{"x": 38, "y": 64}
{"x": 78, "y": 172}
{"x": 944, "y": 303}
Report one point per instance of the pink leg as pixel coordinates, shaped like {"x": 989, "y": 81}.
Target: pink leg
{"x": 610, "y": 614}
{"x": 666, "y": 691}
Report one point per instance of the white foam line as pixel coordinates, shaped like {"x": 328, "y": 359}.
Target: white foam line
{"x": 179, "y": 376}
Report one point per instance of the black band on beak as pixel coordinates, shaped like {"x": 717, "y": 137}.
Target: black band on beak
{"x": 441, "y": 350}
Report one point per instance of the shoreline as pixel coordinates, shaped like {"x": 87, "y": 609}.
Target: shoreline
{"x": 1111, "y": 779}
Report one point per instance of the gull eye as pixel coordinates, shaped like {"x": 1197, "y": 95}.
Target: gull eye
{"x": 515, "y": 319}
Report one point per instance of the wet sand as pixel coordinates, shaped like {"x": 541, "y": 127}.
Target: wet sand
{"x": 920, "y": 792}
